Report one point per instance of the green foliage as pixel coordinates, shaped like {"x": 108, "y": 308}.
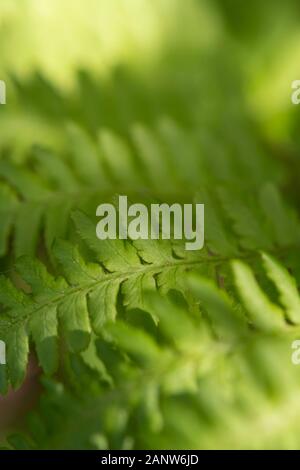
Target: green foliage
{"x": 157, "y": 371}
{"x": 141, "y": 343}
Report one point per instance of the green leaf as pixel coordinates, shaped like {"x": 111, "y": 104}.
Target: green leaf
{"x": 74, "y": 315}
{"x": 102, "y": 303}
{"x": 114, "y": 254}
{"x": 263, "y": 313}
{"x": 17, "y": 354}
{"x": 43, "y": 326}
{"x": 286, "y": 286}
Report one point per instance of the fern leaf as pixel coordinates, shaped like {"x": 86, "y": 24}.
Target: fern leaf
{"x": 262, "y": 311}
{"x": 286, "y": 285}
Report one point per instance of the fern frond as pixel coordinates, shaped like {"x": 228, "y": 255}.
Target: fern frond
{"x": 86, "y": 297}
{"x": 217, "y": 375}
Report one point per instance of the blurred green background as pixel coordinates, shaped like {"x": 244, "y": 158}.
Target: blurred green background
{"x": 59, "y": 38}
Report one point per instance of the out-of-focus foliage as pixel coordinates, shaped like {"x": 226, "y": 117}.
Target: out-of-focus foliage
{"x": 148, "y": 345}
